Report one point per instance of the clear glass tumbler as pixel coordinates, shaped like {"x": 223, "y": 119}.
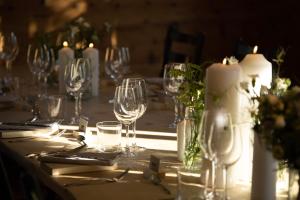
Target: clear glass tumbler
{"x": 109, "y": 136}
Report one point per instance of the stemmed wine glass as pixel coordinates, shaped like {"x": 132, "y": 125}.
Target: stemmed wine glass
{"x": 217, "y": 141}
{"x": 77, "y": 77}
{"x": 9, "y": 48}
{"x": 113, "y": 64}
{"x": 139, "y": 86}
{"x": 40, "y": 63}
{"x": 125, "y": 55}
{"x": 126, "y": 109}
{"x": 171, "y": 83}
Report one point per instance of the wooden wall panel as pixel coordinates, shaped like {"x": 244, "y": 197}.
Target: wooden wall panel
{"x": 142, "y": 25}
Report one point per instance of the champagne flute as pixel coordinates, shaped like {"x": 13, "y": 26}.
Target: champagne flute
{"x": 139, "y": 86}
{"x": 217, "y": 141}
{"x": 126, "y": 110}
{"x": 172, "y": 83}
{"x": 77, "y": 77}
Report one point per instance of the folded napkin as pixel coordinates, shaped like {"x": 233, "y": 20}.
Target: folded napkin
{"x": 84, "y": 158}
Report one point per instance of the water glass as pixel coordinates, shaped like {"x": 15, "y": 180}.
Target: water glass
{"x": 191, "y": 183}
{"x": 55, "y": 106}
{"x": 109, "y": 136}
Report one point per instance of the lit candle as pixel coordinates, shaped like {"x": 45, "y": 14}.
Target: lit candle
{"x": 256, "y": 65}
{"x": 222, "y": 94}
{"x": 114, "y": 40}
{"x": 93, "y": 54}
{"x": 222, "y": 88}
{"x": 65, "y": 54}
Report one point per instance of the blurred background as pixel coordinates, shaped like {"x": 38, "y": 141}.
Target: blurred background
{"x": 142, "y": 26}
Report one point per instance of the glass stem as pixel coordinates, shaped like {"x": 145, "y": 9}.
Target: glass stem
{"x": 127, "y": 137}
{"x": 225, "y": 181}
{"x": 134, "y": 133}
{"x": 213, "y": 177}
{"x": 175, "y": 109}
{"x": 77, "y": 105}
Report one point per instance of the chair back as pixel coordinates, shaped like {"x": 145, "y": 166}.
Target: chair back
{"x": 182, "y": 47}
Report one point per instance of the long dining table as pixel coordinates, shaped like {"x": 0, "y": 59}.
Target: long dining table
{"x": 153, "y": 134}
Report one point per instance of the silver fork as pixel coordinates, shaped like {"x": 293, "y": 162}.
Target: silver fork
{"x": 95, "y": 181}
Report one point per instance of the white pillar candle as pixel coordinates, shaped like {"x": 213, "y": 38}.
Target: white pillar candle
{"x": 222, "y": 92}
{"x": 65, "y": 54}
{"x": 257, "y": 65}
{"x": 253, "y": 65}
{"x": 222, "y": 88}
{"x": 93, "y": 54}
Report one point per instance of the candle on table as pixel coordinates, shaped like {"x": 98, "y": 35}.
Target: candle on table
{"x": 222, "y": 93}
{"x": 222, "y": 88}
{"x": 93, "y": 54}
{"x": 256, "y": 65}
{"x": 65, "y": 54}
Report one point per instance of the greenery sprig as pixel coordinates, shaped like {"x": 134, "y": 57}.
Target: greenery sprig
{"x": 191, "y": 95}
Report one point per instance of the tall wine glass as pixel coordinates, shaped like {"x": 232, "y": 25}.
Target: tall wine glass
{"x": 9, "y": 48}
{"x": 113, "y": 64}
{"x": 77, "y": 77}
{"x": 126, "y": 109}
{"x": 140, "y": 90}
{"x": 38, "y": 60}
{"x": 125, "y": 56}
{"x": 217, "y": 140}
{"x": 172, "y": 82}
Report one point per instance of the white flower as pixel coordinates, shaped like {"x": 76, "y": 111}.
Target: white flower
{"x": 279, "y": 121}
{"x": 232, "y": 60}
{"x": 281, "y": 84}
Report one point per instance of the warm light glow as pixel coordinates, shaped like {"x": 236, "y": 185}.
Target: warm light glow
{"x": 224, "y": 61}
{"x": 91, "y": 45}
{"x": 255, "y": 49}
{"x": 114, "y": 41}
{"x": 65, "y": 44}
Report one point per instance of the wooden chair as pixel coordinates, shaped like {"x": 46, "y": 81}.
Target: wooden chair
{"x": 27, "y": 181}
{"x": 182, "y": 47}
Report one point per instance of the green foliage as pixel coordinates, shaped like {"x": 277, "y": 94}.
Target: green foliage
{"x": 191, "y": 95}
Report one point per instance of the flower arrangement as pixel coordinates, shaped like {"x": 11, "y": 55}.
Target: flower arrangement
{"x": 277, "y": 119}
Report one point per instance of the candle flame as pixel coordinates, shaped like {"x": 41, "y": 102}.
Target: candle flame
{"x": 255, "y": 49}
{"x": 91, "y": 45}
{"x": 224, "y": 61}
{"x": 65, "y": 44}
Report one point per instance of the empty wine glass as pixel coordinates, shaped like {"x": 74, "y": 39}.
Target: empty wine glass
{"x": 113, "y": 64}
{"x": 126, "y": 110}
{"x": 171, "y": 82}
{"x": 139, "y": 86}
{"x": 125, "y": 56}
{"x": 217, "y": 141}
{"x": 40, "y": 63}
{"x": 9, "y": 48}
{"x": 77, "y": 77}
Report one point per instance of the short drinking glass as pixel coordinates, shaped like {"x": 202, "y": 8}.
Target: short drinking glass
{"x": 109, "y": 136}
